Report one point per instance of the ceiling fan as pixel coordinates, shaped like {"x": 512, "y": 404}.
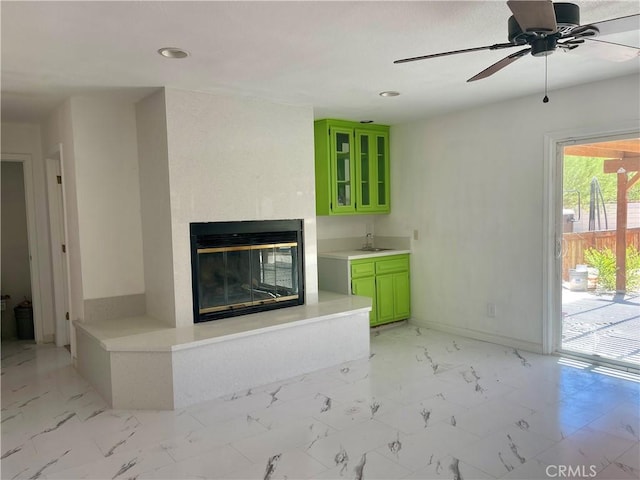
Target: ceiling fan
{"x": 543, "y": 27}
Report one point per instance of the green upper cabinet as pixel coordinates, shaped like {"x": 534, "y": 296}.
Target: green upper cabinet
{"x": 352, "y": 168}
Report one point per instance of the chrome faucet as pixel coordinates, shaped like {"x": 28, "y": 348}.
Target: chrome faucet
{"x": 369, "y": 240}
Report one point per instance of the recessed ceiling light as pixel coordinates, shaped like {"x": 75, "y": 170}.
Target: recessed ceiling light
{"x": 389, "y": 93}
{"x": 173, "y": 52}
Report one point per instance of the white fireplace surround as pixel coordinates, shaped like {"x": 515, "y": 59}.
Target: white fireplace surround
{"x": 195, "y": 166}
{"x": 214, "y": 158}
{"x": 135, "y": 363}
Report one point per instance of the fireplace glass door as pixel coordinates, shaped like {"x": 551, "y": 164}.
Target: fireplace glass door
{"x": 241, "y": 276}
{"x": 246, "y": 267}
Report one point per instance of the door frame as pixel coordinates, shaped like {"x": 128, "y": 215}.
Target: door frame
{"x": 554, "y": 142}
{"x": 32, "y": 236}
{"x": 58, "y": 235}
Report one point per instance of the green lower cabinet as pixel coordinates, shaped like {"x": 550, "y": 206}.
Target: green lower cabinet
{"x": 385, "y": 298}
{"x": 386, "y": 281}
{"x": 366, "y": 287}
{"x": 402, "y": 295}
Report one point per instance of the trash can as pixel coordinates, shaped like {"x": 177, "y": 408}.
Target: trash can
{"x": 24, "y": 322}
{"x": 592, "y": 278}
{"x": 568, "y": 219}
{"x": 578, "y": 280}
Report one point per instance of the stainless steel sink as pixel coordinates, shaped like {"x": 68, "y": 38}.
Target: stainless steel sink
{"x": 374, "y": 249}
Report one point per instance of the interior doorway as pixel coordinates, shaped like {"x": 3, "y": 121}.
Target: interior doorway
{"x": 20, "y": 274}
{"x": 600, "y": 250}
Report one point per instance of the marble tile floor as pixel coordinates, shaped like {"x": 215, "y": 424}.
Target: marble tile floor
{"x": 425, "y": 405}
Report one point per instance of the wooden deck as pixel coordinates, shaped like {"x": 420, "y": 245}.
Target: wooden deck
{"x": 602, "y": 325}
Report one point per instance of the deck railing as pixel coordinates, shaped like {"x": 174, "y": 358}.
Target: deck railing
{"x": 574, "y": 245}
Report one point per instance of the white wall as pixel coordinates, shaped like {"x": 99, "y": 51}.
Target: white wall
{"x": 201, "y": 158}
{"x": 96, "y": 136}
{"x": 472, "y": 184}
{"x": 155, "y": 203}
{"x": 108, "y": 195}
{"x": 232, "y": 158}
{"x": 58, "y": 130}
{"x": 345, "y": 226}
{"x": 19, "y": 138}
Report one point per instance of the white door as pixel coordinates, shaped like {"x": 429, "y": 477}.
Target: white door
{"x": 59, "y": 256}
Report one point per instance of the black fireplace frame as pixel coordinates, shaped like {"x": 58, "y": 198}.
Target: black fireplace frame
{"x": 204, "y": 234}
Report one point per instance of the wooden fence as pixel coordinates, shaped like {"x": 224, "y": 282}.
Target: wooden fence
{"x": 574, "y": 245}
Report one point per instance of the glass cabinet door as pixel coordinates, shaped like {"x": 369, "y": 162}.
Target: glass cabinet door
{"x": 382, "y": 172}
{"x": 364, "y": 171}
{"x": 372, "y": 171}
{"x": 343, "y": 170}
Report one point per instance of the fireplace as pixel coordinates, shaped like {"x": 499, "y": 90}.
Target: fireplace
{"x": 246, "y": 267}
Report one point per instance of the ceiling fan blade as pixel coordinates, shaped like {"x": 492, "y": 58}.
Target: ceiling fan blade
{"x": 534, "y": 15}
{"x": 496, "y": 46}
{"x": 614, "y": 52}
{"x": 499, "y": 65}
{"x": 618, "y": 25}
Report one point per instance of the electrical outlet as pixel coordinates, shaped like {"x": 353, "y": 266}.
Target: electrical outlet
{"x": 416, "y": 235}
{"x": 491, "y": 310}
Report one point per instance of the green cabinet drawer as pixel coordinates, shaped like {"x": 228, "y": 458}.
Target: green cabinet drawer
{"x": 359, "y": 270}
{"x": 394, "y": 264}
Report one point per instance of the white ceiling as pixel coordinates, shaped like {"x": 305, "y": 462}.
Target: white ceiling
{"x": 334, "y": 55}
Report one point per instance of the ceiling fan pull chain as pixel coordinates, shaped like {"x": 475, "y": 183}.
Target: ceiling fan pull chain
{"x": 546, "y": 98}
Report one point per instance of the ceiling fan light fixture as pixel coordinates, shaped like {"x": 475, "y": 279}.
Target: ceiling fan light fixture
{"x": 389, "y": 93}
{"x": 173, "y": 52}
{"x": 543, "y": 46}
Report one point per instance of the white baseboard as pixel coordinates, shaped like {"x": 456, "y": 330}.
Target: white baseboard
{"x": 479, "y": 335}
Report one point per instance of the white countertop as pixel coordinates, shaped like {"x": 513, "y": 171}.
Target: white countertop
{"x": 358, "y": 254}
{"x": 147, "y": 334}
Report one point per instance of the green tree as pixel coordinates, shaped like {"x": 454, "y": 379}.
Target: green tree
{"x": 605, "y": 262}
{"x": 578, "y": 173}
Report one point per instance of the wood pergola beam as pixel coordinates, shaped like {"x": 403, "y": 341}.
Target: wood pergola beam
{"x": 622, "y": 167}
{"x": 614, "y": 149}
{"x": 591, "y": 151}
{"x": 630, "y": 164}
{"x": 621, "y": 233}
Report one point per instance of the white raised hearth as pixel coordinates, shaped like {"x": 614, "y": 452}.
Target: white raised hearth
{"x": 138, "y": 363}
